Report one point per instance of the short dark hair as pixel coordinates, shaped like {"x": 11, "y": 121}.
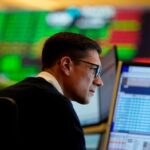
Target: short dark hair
{"x": 69, "y": 44}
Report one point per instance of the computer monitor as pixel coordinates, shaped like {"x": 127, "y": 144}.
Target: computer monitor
{"x": 97, "y": 110}
{"x": 129, "y": 119}
{"x": 109, "y": 64}
{"x": 93, "y": 141}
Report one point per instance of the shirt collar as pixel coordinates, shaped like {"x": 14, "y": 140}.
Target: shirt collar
{"x": 51, "y": 79}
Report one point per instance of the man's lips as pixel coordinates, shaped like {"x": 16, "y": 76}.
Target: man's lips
{"x": 92, "y": 92}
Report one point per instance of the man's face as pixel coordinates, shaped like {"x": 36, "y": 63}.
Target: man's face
{"x": 84, "y": 78}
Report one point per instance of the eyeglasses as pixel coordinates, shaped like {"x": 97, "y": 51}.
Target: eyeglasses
{"x": 97, "y": 68}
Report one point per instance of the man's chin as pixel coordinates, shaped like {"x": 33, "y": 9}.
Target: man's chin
{"x": 87, "y": 100}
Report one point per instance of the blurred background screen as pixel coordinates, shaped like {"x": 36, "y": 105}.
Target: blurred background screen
{"x": 23, "y": 32}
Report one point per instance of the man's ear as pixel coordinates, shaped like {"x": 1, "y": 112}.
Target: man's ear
{"x": 66, "y": 65}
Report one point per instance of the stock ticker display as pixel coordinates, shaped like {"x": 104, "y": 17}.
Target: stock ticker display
{"x": 22, "y": 34}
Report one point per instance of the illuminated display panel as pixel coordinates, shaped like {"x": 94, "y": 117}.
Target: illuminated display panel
{"x": 22, "y": 34}
{"x": 129, "y": 118}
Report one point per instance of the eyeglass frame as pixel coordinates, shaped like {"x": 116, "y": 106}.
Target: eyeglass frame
{"x": 98, "y": 69}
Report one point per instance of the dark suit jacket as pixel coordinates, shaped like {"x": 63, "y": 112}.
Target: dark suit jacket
{"x": 45, "y": 118}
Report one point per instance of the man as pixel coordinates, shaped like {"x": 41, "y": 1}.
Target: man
{"x": 46, "y": 119}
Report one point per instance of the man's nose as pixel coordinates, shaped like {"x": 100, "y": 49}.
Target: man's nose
{"x": 98, "y": 81}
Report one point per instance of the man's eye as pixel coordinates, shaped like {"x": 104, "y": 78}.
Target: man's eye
{"x": 93, "y": 68}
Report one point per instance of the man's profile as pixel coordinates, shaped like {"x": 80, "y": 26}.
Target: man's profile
{"x": 71, "y": 70}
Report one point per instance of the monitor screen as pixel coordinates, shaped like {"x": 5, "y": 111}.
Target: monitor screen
{"x": 89, "y": 114}
{"x": 129, "y": 121}
{"x": 97, "y": 110}
{"x": 23, "y": 32}
{"x": 93, "y": 141}
{"x": 109, "y": 64}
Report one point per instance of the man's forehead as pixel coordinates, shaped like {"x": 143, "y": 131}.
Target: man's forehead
{"x": 94, "y": 58}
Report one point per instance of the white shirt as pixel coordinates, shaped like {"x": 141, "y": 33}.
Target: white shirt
{"x": 51, "y": 79}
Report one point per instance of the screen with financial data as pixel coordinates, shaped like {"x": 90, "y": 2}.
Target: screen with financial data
{"x": 23, "y": 32}
{"x": 130, "y": 120}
